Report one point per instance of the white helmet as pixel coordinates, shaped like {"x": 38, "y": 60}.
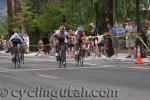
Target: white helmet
{"x": 80, "y": 28}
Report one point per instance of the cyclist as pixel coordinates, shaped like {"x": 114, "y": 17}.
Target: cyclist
{"x": 70, "y": 44}
{"x": 15, "y": 41}
{"x": 80, "y": 39}
{"x": 61, "y": 36}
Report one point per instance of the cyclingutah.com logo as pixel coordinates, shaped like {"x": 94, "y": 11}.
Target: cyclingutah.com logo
{"x": 52, "y": 94}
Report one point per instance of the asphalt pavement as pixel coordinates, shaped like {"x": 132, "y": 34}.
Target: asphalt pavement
{"x": 99, "y": 79}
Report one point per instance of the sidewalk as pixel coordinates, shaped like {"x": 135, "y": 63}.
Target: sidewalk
{"x": 120, "y": 57}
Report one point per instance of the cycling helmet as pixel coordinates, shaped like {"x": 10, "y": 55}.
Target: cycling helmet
{"x": 81, "y": 29}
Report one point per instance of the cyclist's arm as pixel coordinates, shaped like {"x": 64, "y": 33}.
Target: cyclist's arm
{"x": 55, "y": 34}
{"x": 21, "y": 39}
{"x": 11, "y": 38}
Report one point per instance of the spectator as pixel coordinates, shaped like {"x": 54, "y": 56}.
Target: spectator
{"x": 1, "y": 42}
{"x": 129, "y": 38}
{"x": 95, "y": 47}
{"x": 108, "y": 46}
{"x": 46, "y": 44}
{"x": 136, "y": 39}
{"x": 112, "y": 33}
{"x": 70, "y": 44}
{"x": 27, "y": 42}
{"x": 5, "y": 44}
{"x": 40, "y": 47}
{"x": 148, "y": 37}
{"x": 93, "y": 29}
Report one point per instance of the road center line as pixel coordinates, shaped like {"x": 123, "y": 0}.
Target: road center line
{"x": 48, "y": 77}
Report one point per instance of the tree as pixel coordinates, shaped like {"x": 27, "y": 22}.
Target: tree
{"x": 23, "y": 17}
{"x": 3, "y": 27}
{"x": 51, "y": 18}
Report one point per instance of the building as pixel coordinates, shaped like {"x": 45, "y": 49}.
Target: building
{"x": 3, "y": 9}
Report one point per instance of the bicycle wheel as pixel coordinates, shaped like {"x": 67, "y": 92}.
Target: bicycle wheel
{"x": 19, "y": 59}
{"x": 22, "y": 57}
{"x": 63, "y": 55}
{"x": 14, "y": 57}
{"x": 15, "y": 60}
{"x": 81, "y": 61}
{"x": 81, "y": 58}
{"x": 77, "y": 59}
{"x": 60, "y": 59}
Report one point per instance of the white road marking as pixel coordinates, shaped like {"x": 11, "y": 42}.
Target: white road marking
{"x": 5, "y": 56}
{"x": 138, "y": 68}
{"x": 44, "y": 69}
{"x": 54, "y": 60}
{"x": 3, "y": 68}
{"x": 108, "y": 66}
{"x": 48, "y": 76}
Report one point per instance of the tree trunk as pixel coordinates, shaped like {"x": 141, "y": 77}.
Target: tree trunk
{"x": 10, "y": 17}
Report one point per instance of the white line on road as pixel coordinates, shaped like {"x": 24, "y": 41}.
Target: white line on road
{"x": 45, "y": 69}
{"x": 5, "y": 56}
{"x": 138, "y": 68}
{"x": 108, "y": 66}
{"x": 3, "y": 68}
{"x": 54, "y": 60}
{"x": 48, "y": 76}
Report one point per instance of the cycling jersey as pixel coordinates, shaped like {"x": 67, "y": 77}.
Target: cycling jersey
{"x": 80, "y": 35}
{"x": 58, "y": 34}
{"x": 61, "y": 37}
{"x": 16, "y": 39}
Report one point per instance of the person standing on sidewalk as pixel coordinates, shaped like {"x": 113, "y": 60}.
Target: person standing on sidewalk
{"x": 129, "y": 38}
{"x": 94, "y": 34}
{"x": 40, "y": 47}
{"x": 27, "y": 42}
{"x": 1, "y": 43}
{"x": 112, "y": 33}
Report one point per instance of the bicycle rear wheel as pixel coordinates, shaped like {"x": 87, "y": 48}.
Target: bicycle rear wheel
{"x": 60, "y": 59}
{"x": 22, "y": 58}
{"x": 64, "y": 58}
{"x": 19, "y": 59}
{"x": 81, "y": 61}
{"x": 15, "y": 61}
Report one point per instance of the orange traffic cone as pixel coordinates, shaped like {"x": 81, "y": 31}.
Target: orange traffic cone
{"x": 139, "y": 58}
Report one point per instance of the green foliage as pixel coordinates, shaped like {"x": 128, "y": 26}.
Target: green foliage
{"x": 25, "y": 17}
{"x": 3, "y": 28}
{"x": 79, "y": 12}
{"x": 50, "y": 19}
{"x": 44, "y": 16}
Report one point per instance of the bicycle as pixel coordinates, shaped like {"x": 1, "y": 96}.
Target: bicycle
{"x": 22, "y": 51}
{"x": 62, "y": 56}
{"x": 17, "y": 57}
{"x": 79, "y": 57}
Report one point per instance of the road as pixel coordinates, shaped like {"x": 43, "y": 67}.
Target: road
{"x": 41, "y": 79}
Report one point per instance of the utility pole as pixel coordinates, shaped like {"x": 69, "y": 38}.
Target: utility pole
{"x": 10, "y": 16}
{"x": 16, "y": 6}
{"x": 138, "y": 18}
{"x": 110, "y": 12}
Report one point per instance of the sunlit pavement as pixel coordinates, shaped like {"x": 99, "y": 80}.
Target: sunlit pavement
{"x": 131, "y": 81}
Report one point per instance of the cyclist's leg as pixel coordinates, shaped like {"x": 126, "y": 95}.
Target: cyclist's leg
{"x": 57, "y": 47}
{"x": 63, "y": 48}
{"x": 13, "y": 50}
